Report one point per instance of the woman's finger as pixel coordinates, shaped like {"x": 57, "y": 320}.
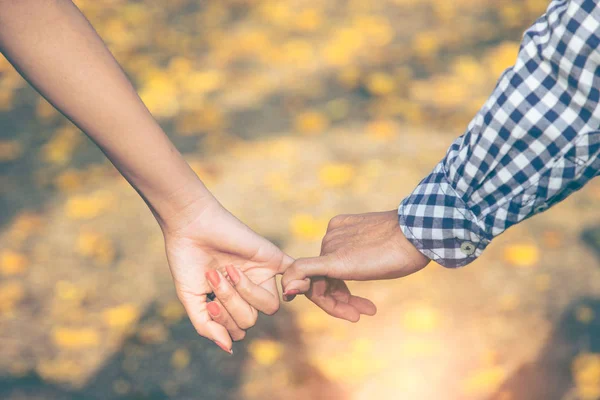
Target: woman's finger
{"x": 242, "y": 313}
{"x": 220, "y": 315}
{"x": 295, "y": 288}
{"x": 195, "y": 306}
{"x": 257, "y": 296}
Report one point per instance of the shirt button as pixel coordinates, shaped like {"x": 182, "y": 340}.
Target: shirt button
{"x": 467, "y": 248}
{"x": 540, "y": 208}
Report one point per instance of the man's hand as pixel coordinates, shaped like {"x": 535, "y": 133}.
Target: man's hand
{"x": 213, "y": 252}
{"x": 356, "y": 247}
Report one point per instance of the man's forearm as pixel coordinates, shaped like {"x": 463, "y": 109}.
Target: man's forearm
{"x": 59, "y": 53}
{"x": 534, "y": 142}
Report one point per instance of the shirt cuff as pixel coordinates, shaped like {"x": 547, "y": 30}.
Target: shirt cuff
{"x": 439, "y": 224}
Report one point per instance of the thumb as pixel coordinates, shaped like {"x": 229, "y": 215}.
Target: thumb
{"x": 305, "y": 268}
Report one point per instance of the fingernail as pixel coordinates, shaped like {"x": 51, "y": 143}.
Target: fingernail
{"x": 288, "y": 298}
{"x": 233, "y": 274}
{"x": 291, "y": 292}
{"x": 213, "y": 277}
{"x": 222, "y": 346}
{"x": 213, "y": 309}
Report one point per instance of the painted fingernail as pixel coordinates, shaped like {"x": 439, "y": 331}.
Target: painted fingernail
{"x": 233, "y": 273}
{"x": 291, "y": 292}
{"x": 213, "y": 277}
{"x": 213, "y": 309}
{"x": 288, "y": 298}
{"x": 222, "y": 346}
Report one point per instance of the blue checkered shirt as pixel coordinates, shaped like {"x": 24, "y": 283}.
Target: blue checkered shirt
{"x": 533, "y": 143}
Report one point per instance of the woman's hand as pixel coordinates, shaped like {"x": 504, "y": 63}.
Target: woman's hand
{"x": 209, "y": 250}
{"x": 356, "y": 247}
{"x": 56, "y": 49}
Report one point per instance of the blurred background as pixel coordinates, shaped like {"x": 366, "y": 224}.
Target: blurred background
{"x": 292, "y": 112}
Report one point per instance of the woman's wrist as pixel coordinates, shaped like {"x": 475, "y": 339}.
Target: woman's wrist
{"x": 175, "y": 209}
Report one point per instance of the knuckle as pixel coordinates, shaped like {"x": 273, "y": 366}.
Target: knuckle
{"x": 239, "y": 335}
{"x": 271, "y": 308}
{"x": 289, "y": 275}
{"x": 337, "y": 221}
{"x": 244, "y": 289}
{"x": 247, "y": 322}
{"x": 224, "y": 296}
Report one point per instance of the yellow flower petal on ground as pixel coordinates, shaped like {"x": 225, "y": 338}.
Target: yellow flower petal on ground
{"x": 88, "y": 206}
{"x": 349, "y": 77}
{"x": 342, "y": 47}
{"x": 75, "y": 338}
{"x": 60, "y": 370}
{"x": 584, "y": 314}
{"x": 172, "y": 312}
{"x": 522, "y": 255}
{"x": 180, "y": 359}
{"x": 153, "y": 333}
{"x": 502, "y": 57}
{"x": 69, "y": 291}
{"x": 6, "y": 99}
{"x": 484, "y": 381}
{"x": 96, "y": 246}
{"x": 312, "y": 321}
{"x": 11, "y": 293}
{"x": 426, "y": 44}
{"x": 421, "y": 318}
{"x": 265, "y": 352}
{"x": 308, "y": 20}
{"x": 377, "y": 29}
{"x": 121, "y": 316}
{"x": 586, "y": 374}
{"x": 307, "y": 227}
{"x": 24, "y": 226}
{"x": 203, "y": 82}
{"x": 383, "y": 129}
{"x": 380, "y": 84}
{"x": 336, "y": 174}
{"x": 311, "y": 123}
{"x": 469, "y": 71}
{"x": 205, "y": 118}
{"x": 12, "y": 263}
{"x": 160, "y": 95}
{"x": 60, "y": 148}
{"x": 298, "y": 52}
{"x": 10, "y": 150}
{"x": 69, "y": 180}
{"x": 45, "y": 110}
{"x": 511, "y": 15}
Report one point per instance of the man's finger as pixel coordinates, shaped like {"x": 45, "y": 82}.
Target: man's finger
{"x": 307, "y": 267}
{"x": 364, "y": 306}
{"x": 195, "y": 306}
{"x": 257, "y": 296}
{"x": 219, "y": 314}
{"x": 242, "y": 313}
{"x": 336, "y": 308}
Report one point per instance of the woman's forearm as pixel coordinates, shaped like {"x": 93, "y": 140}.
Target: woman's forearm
{"x": 59, "y": 53}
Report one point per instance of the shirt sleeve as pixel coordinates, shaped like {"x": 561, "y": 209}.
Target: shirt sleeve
{"x": 533, "y": 143}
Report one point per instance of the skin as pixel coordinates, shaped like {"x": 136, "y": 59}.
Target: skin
{"x": 59, "y": 53}
{"x": 358, "y": 247}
